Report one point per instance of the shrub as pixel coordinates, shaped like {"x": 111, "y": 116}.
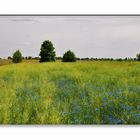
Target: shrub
{"x": 69, "y": 56}
{"x": 9, "y": 57}
{"x": 119, "y": 59}
{"x": 30, "y": 57}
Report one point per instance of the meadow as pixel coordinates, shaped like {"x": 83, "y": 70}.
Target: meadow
{"x": 85, "y": 92}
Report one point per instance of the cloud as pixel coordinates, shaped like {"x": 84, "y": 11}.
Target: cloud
{"x": 22, "y": 19}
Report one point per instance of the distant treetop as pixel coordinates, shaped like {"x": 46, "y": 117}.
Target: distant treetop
{"x": 17, "y": 57}
{"x": 47, "y": 52}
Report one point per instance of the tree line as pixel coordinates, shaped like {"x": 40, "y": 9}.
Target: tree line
{"x": 48, "y": 54}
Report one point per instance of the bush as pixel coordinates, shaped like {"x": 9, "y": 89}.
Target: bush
{"x": 17, "y": 57}
{"x": 119, "y": 59}
{"x": 69, "y": 56}
{"x": 30, "y": 57}
{"x": 9, "y": 57}
{"x": 59, "y": 58}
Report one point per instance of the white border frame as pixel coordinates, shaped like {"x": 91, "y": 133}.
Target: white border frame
{"x": 69, "y": 7}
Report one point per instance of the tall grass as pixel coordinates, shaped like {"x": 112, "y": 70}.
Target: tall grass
{"x": 70, "y": 93}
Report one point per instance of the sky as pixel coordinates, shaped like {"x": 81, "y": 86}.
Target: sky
{"x": 87, "y": 36}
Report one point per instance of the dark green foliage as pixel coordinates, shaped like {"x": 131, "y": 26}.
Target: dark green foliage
{"x": 78, "y": 58}
{"x": 119, "y": 59}
{"x": 96, "y": 59}
{"x": 126, "y": 59}
{"x": 135, "y": 59}
{"x": 47, "y": 52}
{"x": 36, "y": 58}
{"x": 9, "y": 57}
{"x": 138, "y": 57}
{"x": 59, "y": 58}
{"x": 30, "y": 57}
{"x": 69, "y": 56}
{"x": 17, "y": 57}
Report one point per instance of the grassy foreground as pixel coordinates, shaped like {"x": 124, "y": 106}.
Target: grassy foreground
{"x": 70, "y": 93}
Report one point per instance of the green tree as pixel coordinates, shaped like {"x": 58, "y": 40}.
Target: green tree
{"x": 69, "y": 56}
{"x": 17, "y": 57}
{"x": 47, "y": 52}
{"x": 138, "y": 57}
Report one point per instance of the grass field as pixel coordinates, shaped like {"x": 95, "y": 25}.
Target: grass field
{"x": 90, "y": 92}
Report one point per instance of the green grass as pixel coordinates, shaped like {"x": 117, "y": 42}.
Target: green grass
{"x": 70, "y": 93}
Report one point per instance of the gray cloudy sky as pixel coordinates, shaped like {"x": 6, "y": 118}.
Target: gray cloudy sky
{"x": 87, "y": 36}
